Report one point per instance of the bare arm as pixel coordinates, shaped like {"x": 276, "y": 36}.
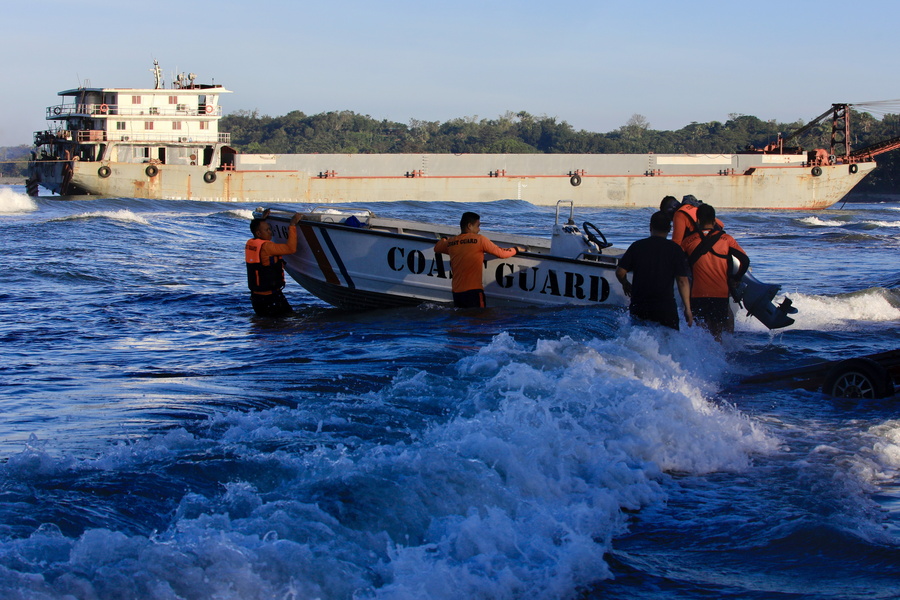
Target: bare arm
{"x": 621, "y": 275}
{"x": 684, "y": 289}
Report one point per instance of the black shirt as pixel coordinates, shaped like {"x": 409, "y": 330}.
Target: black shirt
{"x": 655, "y": 262}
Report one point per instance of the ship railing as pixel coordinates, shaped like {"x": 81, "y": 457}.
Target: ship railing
{"x": 61, "y": 111}
{"x": 90, "y": 135}
{"x": 51, "y": 136}
{"x": 165, "y": 138}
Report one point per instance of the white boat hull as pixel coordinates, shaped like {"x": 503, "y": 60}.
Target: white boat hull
{"x": 392, "y": 263}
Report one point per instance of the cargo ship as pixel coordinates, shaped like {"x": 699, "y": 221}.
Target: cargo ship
{"x": 164, "y": 143}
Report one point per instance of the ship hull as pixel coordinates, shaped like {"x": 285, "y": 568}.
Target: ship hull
{"x": 751, "y": 181}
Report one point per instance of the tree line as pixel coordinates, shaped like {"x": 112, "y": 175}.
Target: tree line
{"x": 347, "y": 132}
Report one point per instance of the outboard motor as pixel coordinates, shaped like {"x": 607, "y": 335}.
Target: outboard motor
{"x": 757, "y": 297}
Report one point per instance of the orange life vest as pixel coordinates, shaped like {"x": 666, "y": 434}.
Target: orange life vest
{"x": 684, "y": 223}
{"x": 262, "y": 278}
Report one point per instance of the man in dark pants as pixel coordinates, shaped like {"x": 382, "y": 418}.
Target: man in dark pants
{"x": 656, "y": 264}
{"x": 710, "y": 251}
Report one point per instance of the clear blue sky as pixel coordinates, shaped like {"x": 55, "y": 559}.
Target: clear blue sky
{"x": 591, "y": 63}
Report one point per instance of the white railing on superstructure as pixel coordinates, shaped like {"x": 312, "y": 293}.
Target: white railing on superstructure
{"x": 61, "y": 111}
{"x": 160, "y": 138}
{"x": 98, "y": 135}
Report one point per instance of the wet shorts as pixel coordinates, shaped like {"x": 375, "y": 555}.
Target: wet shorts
{"x": 664, "y": 314}
{"x": 715, "y": 311}
{"x": 271, "y": 305}
{"x": 469, "y": 299}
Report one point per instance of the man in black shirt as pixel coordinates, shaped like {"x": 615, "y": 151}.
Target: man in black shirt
{"x": 657, "y": 265}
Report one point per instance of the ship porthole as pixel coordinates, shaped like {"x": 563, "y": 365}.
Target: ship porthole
{"x": 151, "y": 170}
{"x": 104, "y": 172}
{"x": 209, "y": 176}
{"x": 816, "y": 171}
{"x": 575, "y": 180}
{"x": 854, "y": 168}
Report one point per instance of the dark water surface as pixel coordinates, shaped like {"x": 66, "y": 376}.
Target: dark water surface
{"x": 158, "y": 441}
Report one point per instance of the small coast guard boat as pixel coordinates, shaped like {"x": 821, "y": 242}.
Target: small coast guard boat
{"x": 356, "y": 260}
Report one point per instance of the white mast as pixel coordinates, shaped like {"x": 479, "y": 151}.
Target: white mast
{"x": 157, "y": 74}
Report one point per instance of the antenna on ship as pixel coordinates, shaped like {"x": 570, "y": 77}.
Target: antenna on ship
{"x": 157, "y": 74}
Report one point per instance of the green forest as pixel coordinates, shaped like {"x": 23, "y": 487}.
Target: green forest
{"x": 521, "y": 132}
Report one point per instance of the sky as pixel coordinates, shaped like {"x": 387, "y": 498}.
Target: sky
{"x": 590, "y": 63}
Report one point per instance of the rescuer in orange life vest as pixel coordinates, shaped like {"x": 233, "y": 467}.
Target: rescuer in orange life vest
{"x": 265, "y": 267}
{"x": 710, "y": 251}
{"x": 684, "y": 216}
{"x": 466, "y": 252}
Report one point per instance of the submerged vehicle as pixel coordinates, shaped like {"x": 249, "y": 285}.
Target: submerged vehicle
{"x": 862, "y": 377}
{"x": 357, "y": 260}
{"x": 164, "y": 143}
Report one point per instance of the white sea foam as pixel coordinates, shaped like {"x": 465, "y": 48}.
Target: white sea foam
{"x": 819, "y": 222}
{"x": 123, "y": 215}
{"x": 886, "y": 449}
{"x": 12, "y": 202}
{"x": 241, "y": 213}
{"x": 833, "y": 312}
{"x": 519, "y": 491}
{"x": 883, "y": 223}
{"x": 568, "y": 435}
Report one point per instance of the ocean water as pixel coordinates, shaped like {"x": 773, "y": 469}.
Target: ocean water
{"x": 158, "y": 441}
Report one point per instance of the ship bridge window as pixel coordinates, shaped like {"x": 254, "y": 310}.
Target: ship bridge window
{"x": 173, "y": 99}
{"x": 176, "y": 125}
{"x": 148, "y": 124}
{"x": 120, "y": 125}
{"x": 135, "y": 99}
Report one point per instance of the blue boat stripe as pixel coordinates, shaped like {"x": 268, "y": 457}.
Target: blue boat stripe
{"x": 337, "y": 258}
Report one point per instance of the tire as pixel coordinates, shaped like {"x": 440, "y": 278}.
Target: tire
{"x": 104, "y": 172}
{"x": 151, "y": 170}
{"x": 858, "y": 378}
{"x": 575, "y": 180}
{"x": 816, "y": 171}
{"x": 854, "y": 168}
{"x": 209, "y": 176}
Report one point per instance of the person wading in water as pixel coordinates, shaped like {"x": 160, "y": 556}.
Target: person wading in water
{"x": 265, "y": 267}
